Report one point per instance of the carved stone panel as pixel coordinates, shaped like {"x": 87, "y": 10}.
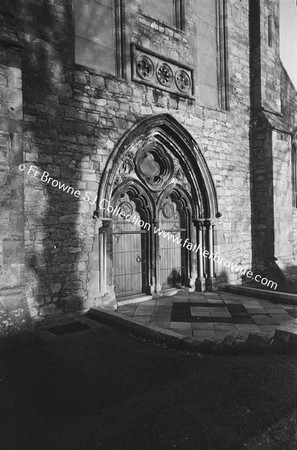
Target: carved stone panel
{"x": 162, "y": 73}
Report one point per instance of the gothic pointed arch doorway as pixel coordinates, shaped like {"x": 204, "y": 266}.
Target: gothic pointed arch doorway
{"x": 158, "y": 204}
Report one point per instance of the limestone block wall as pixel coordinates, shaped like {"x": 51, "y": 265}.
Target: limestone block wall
{"x": 289, "y": 111}
{"x": 265, "y": 59}
{"x": 294, "y": 235}
{"x": 73, "y": 118}
{"x": 14, "y": 316}
{"x": 288, "y": 101}
{"x": 272, "y": 212}
{"x": 272, "y": 121}
{"x": 282, "y": 186}
{"x": 271, "y": 68}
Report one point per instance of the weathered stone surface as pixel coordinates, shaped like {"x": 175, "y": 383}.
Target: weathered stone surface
{"x": 14, "y": 314}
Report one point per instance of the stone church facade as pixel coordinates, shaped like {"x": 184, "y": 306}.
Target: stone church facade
{"x": 176, "y": 113}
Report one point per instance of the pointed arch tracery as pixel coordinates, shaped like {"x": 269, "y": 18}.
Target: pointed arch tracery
{"x": 158, "y": 170}
{"x": 158, "y": 150}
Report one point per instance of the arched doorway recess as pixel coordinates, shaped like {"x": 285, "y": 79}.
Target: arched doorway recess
{"x": 158, "y": 179}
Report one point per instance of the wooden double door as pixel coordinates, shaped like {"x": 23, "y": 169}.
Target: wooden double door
{"x": 148, "y": 252}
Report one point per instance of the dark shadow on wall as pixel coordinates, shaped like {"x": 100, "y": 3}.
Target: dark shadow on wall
{"x": 14, "y": 314}
{"x": 222, "y": 278}
{"x": 285, "y": 282}
{"x": 56, "y": 237}
{"x": 174, "y": 279}
{"x": 261, "y": 163}
{"x": 290, "y": 284}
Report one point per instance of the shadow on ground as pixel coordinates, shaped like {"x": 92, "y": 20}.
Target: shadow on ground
{"x": 99, "y": 389}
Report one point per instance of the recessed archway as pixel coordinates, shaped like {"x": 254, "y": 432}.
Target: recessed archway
{"x": 158, "y": 176}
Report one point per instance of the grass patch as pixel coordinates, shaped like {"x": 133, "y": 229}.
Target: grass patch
{"x": 223, "y": 402}
{"x": 101, "y": 389}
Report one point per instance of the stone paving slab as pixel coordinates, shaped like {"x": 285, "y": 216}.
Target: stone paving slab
{"x": 217, "y": 316}
{"x": 203, "y": 326}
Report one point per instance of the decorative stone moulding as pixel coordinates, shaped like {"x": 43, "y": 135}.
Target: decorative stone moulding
{"x": 162, "y": 73}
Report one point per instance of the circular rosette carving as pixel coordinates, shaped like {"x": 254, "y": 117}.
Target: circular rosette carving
{"x": 168, "y": 210}
{"x": 183, "y": 81}
{"x": 126, "y": 208}
{"x": 144, "y": 67}
{"x": 164, "y": 74}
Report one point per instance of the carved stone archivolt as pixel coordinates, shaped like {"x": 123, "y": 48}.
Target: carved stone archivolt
{"x": 147, "y": 177}
{"x": 160, "y": 157}
{"x": 160, "y": 72}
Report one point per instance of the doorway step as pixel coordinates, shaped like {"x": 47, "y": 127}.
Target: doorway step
{"x": 145, "y": 297}
{"x": 133, "y": 299}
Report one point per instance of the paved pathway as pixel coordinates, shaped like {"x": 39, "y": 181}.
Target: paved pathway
{"x": 211, "y": 315}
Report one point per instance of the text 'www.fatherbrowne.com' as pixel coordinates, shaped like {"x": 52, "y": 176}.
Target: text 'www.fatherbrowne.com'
{"x": 135, "y": 219}
{"x": 105, "y": 205}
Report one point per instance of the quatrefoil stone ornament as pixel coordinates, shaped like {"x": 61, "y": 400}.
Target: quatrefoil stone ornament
{"x": 144, "y": 67}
